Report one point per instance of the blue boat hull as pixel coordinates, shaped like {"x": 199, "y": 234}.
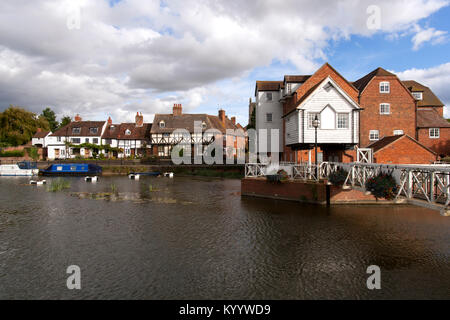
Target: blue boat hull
{"x": 72, "y": 169}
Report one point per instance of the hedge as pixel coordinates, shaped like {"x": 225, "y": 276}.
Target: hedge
{"x": 13, "y": 153}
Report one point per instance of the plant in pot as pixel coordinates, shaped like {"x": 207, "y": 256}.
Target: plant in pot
{"x": 382, "y": 186}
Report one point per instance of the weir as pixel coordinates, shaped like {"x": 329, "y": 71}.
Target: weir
{"x": 423, "y": 185}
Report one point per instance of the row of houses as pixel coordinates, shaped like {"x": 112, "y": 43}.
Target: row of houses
{"x": 139, "y": 139}
{"x": 378, "y": 112}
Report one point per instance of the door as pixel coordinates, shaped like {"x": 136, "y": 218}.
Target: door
{"x": 56, "y": 153}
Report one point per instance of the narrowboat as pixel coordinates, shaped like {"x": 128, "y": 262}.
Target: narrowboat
{"x": 72, "y": 169}
{"x": 24, "y": 168}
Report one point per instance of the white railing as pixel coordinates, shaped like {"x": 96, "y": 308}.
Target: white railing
{"x": 430, "y": 183}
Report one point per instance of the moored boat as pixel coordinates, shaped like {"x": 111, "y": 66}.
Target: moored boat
{"x": 24, "y": 168}
{"x": 72, "y": 169}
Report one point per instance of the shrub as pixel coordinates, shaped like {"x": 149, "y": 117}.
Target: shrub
{"x": 13, "y": 153}
{"x": 338, "y": 177}
{"x": 33, "y": 153}
{"x": 382, "y": 186}
{"x": 283, "y": 175}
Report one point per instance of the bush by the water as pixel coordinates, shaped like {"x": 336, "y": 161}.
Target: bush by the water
{"x": 338, "y": 177}
{"x": 13, "y": 153}
{"x": 382, "y": 186}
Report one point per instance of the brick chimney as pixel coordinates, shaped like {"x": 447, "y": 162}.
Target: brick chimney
{"x": 177, "y": 110}
{"x": 39, "y": 130}
{"x": 222, "y": 116}
{"x": 109, "y": 121}
{"x": 78, "y": 118}
{"x": 139, "y": 120}
{"x": 233, "y": 120}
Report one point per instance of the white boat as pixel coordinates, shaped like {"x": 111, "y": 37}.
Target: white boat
{"x": 38, "y": 183}
{"x": 19, "y": 169}
{"x": 91, "y": 179}
{"x": 168, "y": 174}
{"x": 133, "y": 176}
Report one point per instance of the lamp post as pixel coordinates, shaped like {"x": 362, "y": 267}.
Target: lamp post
{"x": 316, "y": 124}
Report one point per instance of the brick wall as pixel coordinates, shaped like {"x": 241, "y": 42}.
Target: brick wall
{"x": 402, "y": 117}
{"x": 441, "y": 146}
{"x": 404, "y": 151}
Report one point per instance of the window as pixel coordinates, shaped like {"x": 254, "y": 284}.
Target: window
{"x": 162, "y": 124}
{"x": 269, "y": 96}
{"x": 385, "y": 87}
{"x": 58, "y": 139}
{"x": 95, "y": 141}
{"x": 93, "y": 130}
{"x": 76, "y": 140}
{"x": 76, "y": 130}
{"x": 86, "y": 140}
{"x": 374, "y": 135}
{"x": 108, "y": 141}
{"x": 269, "y": 117}
{"x": 203, "y": 125}
{"x": 398, "y": 132}
{"x": 343, "y": 121}
{"x": 311, "y": 117}
{"x": 385, "y": 108}
{"x": 418, "y": 95}
{"x": 127, "y": 132}
{"x": 434, "y": 133}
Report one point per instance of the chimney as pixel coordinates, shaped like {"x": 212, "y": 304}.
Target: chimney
{"x": 222, "y": 116}
{"x": 139, "y": 120}
{"x": 177, "y": 110}
{"x": 78, "y": 118}
{"x": 233, "y": 120}
{"x": 109, "y": 121}
{"x": 39, "y": 130}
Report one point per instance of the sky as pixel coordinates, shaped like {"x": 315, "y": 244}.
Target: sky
{"x": 102, "y": 58}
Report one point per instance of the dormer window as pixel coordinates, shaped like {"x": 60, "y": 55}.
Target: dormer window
{"x": 203, "y": 125}
{"x": 93, "y": 130}
{"x": 76, "y": 130}
{"x": 127, "y": 132}
{"x": 418, "y": 95}
{"x": 162, "y": 124}
{"x": 385, "y": 87}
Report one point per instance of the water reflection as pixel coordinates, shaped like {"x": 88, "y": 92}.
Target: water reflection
{"x": 196, "y": 238}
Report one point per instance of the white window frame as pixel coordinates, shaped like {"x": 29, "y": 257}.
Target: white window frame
{"x": 311, "y": 117}
{"x": 398, "y": 132}
{"x": 76, "y": 130}
{"x": 432, "y": 133}
{"x": 347, "y": 121}
{"x": 388, "y": 108}
{"x": 373, "y": 133}
{"x": 385, "y": 85}
{"x": 162, "y": 124}
{"x": 419, "y": 95}
{"x": 271, "y": 117}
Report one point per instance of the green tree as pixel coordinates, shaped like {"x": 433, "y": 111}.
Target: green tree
{"x": 50, "y": 115}
{"x": 65, "y": 121}
{"x": 17, "y": 126}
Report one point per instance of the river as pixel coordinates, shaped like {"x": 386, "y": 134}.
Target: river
{"x": 196, "y": 238}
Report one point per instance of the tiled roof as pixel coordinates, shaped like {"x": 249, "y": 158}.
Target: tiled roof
{"x": 384, "y": 142}
{"x": 296, "y": 79}
{"x": 186, "y": 121}
{"x": 364, "y": 81}
{"x": 118, "y": 131}
{"x": 41, "y": 134}
{"x": 269, "y": 85}
{"x": 84, "y": 126}
{"x": 429, "y": 99}
{"x": 430, "y": 118}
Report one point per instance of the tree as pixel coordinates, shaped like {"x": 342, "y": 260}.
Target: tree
{"x": 49, "y": 114}
{"x": 17, "y": 126}
{"x": 65, "y": 121}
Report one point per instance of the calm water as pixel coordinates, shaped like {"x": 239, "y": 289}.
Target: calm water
{"x": 194, "y": 238}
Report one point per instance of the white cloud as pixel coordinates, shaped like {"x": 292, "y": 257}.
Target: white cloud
{"x": 437, "y": 78}
{"x": 427, "y": 35}
{"x": 148, "y": 55}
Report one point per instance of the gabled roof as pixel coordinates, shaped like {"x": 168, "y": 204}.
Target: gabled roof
{"x": 296, "y": 79}
{"x": 429, "y": 99}
{"x": 84, "y": 129}
{"x": 268, "y": 86}
{"x": 386, "y": 141}
{"x": 187, "y": 121}
{"x": 118, "y": 131}
{"x": 41, "y": 134}
{"x": 430, "y": 118}
{"x": 362, "y": 83}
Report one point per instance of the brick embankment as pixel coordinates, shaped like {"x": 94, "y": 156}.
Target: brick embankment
{"x": 307, "y": 192}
